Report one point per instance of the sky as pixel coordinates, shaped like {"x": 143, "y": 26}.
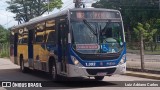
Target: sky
{"x": 7, "y": 20}
{"x": 6, "y": 17}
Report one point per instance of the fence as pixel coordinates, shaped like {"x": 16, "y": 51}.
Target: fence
{"x": 151, "y": 59}
{"x": 4, "y": 50}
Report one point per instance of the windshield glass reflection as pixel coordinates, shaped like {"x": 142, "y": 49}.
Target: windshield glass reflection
{"x": 97, "y": 37}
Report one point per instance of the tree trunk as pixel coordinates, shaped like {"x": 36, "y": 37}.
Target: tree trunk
{"x": 142, "y": 52}
{"x": 151, "y": 43}
{"x": 155, "y": 46}
{"x": 155, "y": 43}
{"x": 145, "y": 45}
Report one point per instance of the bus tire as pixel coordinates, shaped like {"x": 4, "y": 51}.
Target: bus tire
{"x": 22, "y": 67}
{"x": 53, "y": 72}
{"x": 99, "y": 78}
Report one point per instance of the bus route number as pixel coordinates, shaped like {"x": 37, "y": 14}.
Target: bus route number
{"x": 91, "y": 64}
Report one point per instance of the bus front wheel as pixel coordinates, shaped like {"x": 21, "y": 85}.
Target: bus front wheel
{"x": 54, "y": 72}
{"x": 99, "y": 78}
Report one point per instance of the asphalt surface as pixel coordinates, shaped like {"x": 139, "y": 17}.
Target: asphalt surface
{"x": 11, "y": 72}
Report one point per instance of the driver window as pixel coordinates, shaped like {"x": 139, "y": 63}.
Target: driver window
{"x": 107, "y": 35}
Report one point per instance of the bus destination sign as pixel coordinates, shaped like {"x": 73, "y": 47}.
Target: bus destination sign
{"x": 87, "y": 46}
{"x": 94, "y": 14}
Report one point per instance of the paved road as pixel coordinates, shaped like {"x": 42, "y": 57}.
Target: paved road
{"x": 11, "y": 72}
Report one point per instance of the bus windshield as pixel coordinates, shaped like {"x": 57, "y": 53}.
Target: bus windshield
{"x": 93, "y": 37}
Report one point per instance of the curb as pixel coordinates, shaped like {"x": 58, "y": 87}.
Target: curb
{"x": 143, "y": 75}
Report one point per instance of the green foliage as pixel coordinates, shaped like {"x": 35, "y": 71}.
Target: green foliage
{"x": 150, "y": 32}
{"x": 4, "y": 50}
{"x": 4, "y": 42}
{"x": 54, "y": 4}
{"x": 27, "y": 9}
{"x": 133, "y": 11}
{"x": 4, "y": 34}
{"x": 157, "y": 25}
{"x": 147, "y": 32}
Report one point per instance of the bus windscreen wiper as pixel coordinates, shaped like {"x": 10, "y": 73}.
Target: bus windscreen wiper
{"x": 90, "y": 27}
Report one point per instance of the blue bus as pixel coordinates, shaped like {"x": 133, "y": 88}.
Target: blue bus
{"x": 73, "y": 43}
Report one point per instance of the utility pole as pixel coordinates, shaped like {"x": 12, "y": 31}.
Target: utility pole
{"x": 159, "y": 4}
{"x": 48, "y": 6}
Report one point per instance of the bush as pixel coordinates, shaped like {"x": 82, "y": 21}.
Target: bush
{"x": 4, "y": 50}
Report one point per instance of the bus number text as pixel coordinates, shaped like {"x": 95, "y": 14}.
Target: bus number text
{"x": 91, "y": 64}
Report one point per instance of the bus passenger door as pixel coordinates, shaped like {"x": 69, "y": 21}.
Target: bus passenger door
{"x": 30, "y": 48}
{"x": 15, "y": 48}
{"x": 62, "y": 45}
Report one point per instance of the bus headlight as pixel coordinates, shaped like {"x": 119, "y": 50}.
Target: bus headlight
{"x": 75, "y": 61}
{"x": 123, "y": 59}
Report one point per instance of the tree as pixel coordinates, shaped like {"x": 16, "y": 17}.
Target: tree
{"x": 150, "y": 32}
{"x": 141, "y": 33}
{"x": 144, "y": 32}
{"x": 156, "y": 25}
{"x": 27, "y": 9}
{"x": 4, "y": 35}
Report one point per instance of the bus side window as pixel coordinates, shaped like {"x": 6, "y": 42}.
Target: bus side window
{"x": 39, "y": 34}
{"x": 50, "y": 32}
{"x": 20, "y": 36}
{"x": 25, "y": 36}
{"x": 39, "y": 38}
{"x": 50, "y": 37}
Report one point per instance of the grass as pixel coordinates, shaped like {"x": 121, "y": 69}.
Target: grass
{"x": 152, "y": 53}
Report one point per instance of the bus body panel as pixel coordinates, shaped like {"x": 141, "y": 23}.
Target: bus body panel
{"x": 94, "y": 67}
{"x": 40, "y": 56}
{"x": 22, "y": 50}
{"x": 75, "y": 71}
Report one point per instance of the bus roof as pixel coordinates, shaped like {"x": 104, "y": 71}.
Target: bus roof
{"x": 37, "y": 20}
{"x": 40, "y": 19}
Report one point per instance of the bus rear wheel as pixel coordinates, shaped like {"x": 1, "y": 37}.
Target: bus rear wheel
{"x": 99, "y": 78}
{"x": 22, "y": 67}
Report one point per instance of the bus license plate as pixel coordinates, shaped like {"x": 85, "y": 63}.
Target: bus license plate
{"x": 101, "y": 74}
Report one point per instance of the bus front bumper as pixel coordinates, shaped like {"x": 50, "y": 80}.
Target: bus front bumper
{"x": 79, "y": 71}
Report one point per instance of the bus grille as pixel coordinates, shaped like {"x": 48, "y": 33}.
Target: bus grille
{"x": 96, "y": 71}
{"x": 101, "y": 56}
